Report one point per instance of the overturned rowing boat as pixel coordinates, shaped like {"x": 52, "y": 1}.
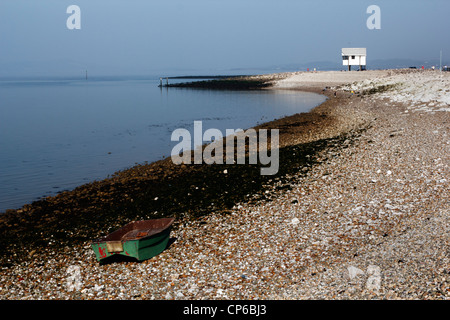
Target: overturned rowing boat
{"x": 138, "y": 239}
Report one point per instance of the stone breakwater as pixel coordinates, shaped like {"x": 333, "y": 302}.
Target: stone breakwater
{"x": 367, "y": 219}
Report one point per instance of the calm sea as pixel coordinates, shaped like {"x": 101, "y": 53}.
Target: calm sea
{"x": 59, "y": 134}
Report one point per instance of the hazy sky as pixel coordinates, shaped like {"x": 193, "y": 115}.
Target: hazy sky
{"x": 212, "y": 36}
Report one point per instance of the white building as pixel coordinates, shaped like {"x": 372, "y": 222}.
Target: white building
{"x": 354, "y": 57}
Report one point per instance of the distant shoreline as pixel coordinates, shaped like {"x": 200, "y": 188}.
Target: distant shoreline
{"x": 206, "y": 77}
{"x": 222, "y": 82}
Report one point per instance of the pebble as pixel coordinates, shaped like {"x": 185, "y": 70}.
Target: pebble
{"x": 353, "y": 272}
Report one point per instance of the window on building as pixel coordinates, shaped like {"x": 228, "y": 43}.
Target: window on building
{"x": 344, "y": 57}
{"x": 353, "y": 57}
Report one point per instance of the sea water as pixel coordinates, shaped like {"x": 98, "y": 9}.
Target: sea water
{"x": 58, "y": 134}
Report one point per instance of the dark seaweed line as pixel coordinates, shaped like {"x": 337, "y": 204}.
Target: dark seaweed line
{"x": 190, "y": 195}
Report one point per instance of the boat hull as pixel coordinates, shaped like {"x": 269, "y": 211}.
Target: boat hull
{"x": 139, "y": 248}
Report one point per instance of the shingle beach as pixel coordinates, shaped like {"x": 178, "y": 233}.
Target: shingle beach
{"x": 369, "y": 219}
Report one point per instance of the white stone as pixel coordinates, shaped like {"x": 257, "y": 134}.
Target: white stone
{"x": 354, "y": 272}
{"x": 374, "y": 281}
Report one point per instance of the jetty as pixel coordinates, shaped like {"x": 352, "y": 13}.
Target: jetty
{"x": 239, "y": 82}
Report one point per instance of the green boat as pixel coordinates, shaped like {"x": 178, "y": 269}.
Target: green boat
{"x": 138, "y": 239}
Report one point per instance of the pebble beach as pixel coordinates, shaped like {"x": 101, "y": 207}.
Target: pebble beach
{"x": 368, "y": 219}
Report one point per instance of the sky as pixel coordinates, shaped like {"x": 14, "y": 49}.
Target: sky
{"x": 151, "y": 37}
